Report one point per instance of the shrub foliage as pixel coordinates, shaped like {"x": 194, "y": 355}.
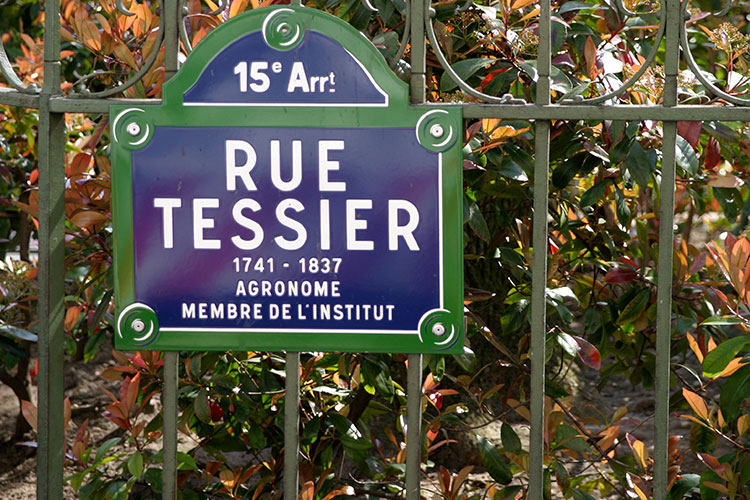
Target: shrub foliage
{"x": 601, "y": 290}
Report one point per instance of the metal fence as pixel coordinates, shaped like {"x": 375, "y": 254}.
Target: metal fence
{"x": 52, "y": 106}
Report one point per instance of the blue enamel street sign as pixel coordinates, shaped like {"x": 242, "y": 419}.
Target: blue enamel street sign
{"x": 286, "y": 197}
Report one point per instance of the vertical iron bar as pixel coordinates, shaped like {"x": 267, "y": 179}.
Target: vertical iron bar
{"x": 539, "y": 263}
{"x": 291, "y": 427}
{"x": 51, "y": 301}
{"x": 417, "y": 17}
{"x": 544, "y": 51}
{"x": 664, "y": 311}
{"x": 417, "y": 12}
{"x": 51, "y": 162}
{"x": 170, "y": 17}
{"x": 169, "y": 413}
{"x": 413, "y": 426}
{"x": 666, "y": 252}
{"x": 538, "y": 310}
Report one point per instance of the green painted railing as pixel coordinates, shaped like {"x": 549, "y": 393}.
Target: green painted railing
{"x": 52, "y": 106}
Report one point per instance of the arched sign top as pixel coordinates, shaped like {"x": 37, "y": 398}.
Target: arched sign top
{"x": 285, "y": 57}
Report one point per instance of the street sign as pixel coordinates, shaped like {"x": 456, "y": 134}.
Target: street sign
{"x": 285, "y": 196}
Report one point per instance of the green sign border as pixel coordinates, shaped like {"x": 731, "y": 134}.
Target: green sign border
{"x": 437, "y": 129}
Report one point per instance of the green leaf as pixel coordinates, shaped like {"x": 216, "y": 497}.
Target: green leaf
{"x": 117, "y": 490}
{"x": 104, "y": 448}
{"x": 635, "y": 307}
{"x": 185, "y": 462}
{"x": 511, "y": 441}
{"x": 682, "y": 486}
{"x": 437, "y": 367}
{"x": 465, "y": 70}
{"x": 135, "y": 464}
{"x": 594, "y": 194}
{"x": 623, "y": 210}
{"x": 573, "y": 5}
{"x": 256, "y": 438}
{"x": 568, "y": 343}
{"x": 467, "y": 359}
{"x": 580, "y": 494}
{"x": 153, "y": 478}
{"x": 729, "y": 199}
{"x": 722, "y": 320}
{"x": 702, "y": 439}
{"x": 89, "y": 489}
{"x": 77, "y": 479}
{"x": 736, "y": 389}
{"x": 473, "y": 216}
{"x": 378, "y": 376}
{"x": 493, "y": 462}
{"x": 685, "y": 156}
{"x": 719, "y": 357}
{"x": 638, "y": 164}
{"x": 568, "y": 438}
{"x": 18, "y": 333}
{"x": 202, "y": 410}
{"x": 563, "y": 174}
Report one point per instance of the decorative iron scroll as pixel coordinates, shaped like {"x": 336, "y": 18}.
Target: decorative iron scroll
{"x": 10, "y": 75}
{"x": 608, "y": 95}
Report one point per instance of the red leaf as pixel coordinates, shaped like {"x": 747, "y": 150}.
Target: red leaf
{"x": 86, "y": 218}
{"x": 588, "y": 353}
{"x": 491, "y": 76}
{"x": 713, "y": 153}
{"x": 690, "y": 131}
{"x": 138, "y": 361}
{"x": 698, "y": 263}
{"x": 476, "y": 295}
{"x": 619, "y": 275}
{"x": 81, "y": 162}
{"x": 217, "y": 413}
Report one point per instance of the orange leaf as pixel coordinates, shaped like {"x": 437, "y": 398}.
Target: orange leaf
{"x": 589, "y": 52}
{"x": 639, "y": 451}
{"x": 227, "y": 478}
{"x": 90, "y": 35}
{"x": 694, "y": 347}
{"x": 66, "y": 413}
{"x": 520, "y": 4}
{"x": 29, "y": 413}
{"x": 123, "y": 53}
{"x": 237, "y": 7}
{"x": 71, "y": 317}
{"x": 696, "y": 403}
{"x": 460, "y": 478}
{"x": 716, "y": 486}
{"x": 520, "y": 409}
{"x": 103, "y": 23}
{"x": 133, "y": 389}
{"x": 346, "y": 490}
{"x": 731, "y": 367}
{"x": 743, "y": 424}
{"x": 87, "y": 218}
{"x": 726, "y": 180}
{"x": 307, "y": 492}
{"x": 531, "y": 14}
